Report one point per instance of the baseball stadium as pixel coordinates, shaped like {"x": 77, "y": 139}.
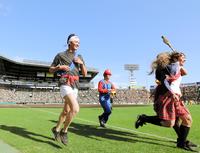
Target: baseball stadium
{"x": 108, "y": 76}
{"x": 30, "y": 104}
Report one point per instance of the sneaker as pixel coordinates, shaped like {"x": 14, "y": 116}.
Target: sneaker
{"x": 102, "y": 124}
{"x": 139, "y": 121}
{"x": 56, "y": 134}
{"x": 63, "y": 137}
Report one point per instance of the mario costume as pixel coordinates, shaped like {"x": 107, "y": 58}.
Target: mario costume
{"x": 105, "y": 88}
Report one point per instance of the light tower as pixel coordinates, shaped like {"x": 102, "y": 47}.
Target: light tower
{"x": 131, "y": 68}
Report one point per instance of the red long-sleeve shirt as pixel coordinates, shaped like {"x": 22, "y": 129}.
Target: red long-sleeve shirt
{"x": 104, "y": 86}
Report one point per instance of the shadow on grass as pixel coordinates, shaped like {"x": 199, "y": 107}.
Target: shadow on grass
{"x": 96, "y": 132}
{"x": 29, "y": 135}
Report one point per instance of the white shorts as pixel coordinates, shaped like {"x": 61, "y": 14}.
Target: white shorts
{"x": 66, "y": 90}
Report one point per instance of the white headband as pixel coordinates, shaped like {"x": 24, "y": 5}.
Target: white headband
{"x": 73, "y": 38}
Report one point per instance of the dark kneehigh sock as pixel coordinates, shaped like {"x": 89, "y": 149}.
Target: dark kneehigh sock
{"x": 176, "y": 128}
{"x": 152, "y": 119}
{"x": 184, "y": 140}
{"x": 184, "y": 131}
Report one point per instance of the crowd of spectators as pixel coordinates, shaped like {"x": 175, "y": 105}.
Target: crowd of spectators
{"x": 132, "y": 96}
{"x": 91, "y": 96}
{"x": 190, "y": 92}
{"x": 32, "y": 96}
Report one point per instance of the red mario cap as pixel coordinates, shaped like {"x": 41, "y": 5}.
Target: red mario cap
{"x": 107, "y": 72}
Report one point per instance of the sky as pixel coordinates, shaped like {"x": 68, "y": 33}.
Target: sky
{"x": 112, "y": 33}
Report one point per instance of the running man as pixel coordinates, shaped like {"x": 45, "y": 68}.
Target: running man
{"x": 105, "y": 88}
{"x": 68, "y": 66}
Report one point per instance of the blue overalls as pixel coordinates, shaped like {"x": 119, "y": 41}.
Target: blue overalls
{"x": 104, "y": 99}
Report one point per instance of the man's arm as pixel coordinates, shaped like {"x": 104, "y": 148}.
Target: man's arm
{"x": 53, "y": 69}
{"x": 183, "y": 71}
{"x": 100, "y": 88}
{"x": 83, "y": 70}
{"x": 78, "y": 60}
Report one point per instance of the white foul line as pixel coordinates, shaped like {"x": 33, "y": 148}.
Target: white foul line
{"x": 114, "y": 127}
{"x": 126, "y": 129}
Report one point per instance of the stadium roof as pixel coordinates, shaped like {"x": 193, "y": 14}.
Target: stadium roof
{"x": 34, "y": 70}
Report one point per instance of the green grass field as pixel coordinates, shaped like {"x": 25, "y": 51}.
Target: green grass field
{"x": 29, "y": 131}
